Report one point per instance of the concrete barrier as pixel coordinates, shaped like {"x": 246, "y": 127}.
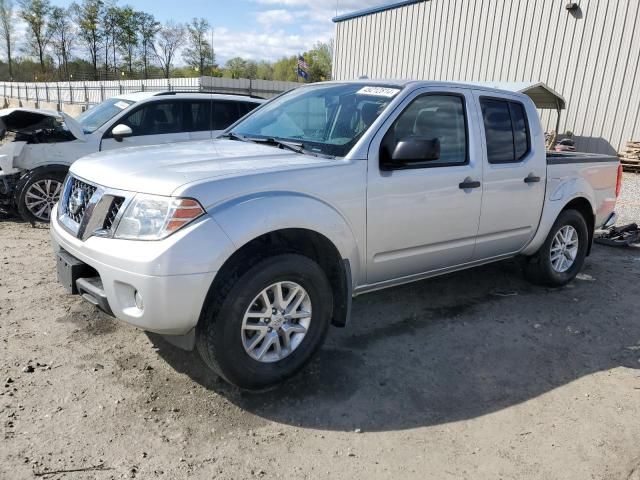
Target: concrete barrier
{"x": 72, "y": 109}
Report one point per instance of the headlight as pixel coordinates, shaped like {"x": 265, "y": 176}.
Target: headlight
{"x": 150, "y": 217}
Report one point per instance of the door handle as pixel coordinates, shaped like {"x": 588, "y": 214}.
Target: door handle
{"x": 468, "y": 183}
{"x": 531, "y": 178}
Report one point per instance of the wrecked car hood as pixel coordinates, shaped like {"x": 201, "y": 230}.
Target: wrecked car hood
{"x": 16, "y": 119}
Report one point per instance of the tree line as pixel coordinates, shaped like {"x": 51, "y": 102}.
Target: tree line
{"x": 98, "y": 39}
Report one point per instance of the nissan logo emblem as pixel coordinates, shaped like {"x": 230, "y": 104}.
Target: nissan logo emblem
{"x": 76, "y": 201}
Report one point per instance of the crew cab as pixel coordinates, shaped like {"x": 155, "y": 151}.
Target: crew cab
{"x": 37, "y": 146}
{"x": 249, "y": 246}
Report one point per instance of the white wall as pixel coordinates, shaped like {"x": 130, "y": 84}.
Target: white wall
{"x": 64, "y": 94}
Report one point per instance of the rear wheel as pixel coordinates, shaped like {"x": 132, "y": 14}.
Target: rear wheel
{"x": 268, "y": 323}
{"x": 562, "y": 255}
{"x": 38, "y": 194}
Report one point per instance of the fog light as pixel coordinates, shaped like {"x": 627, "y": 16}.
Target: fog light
{"x": 138, "y": 300}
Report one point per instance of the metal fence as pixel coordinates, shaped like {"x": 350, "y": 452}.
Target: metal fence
{"x": 90, "y": 93}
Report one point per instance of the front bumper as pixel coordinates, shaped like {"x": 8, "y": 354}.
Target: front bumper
{"x": 171, "y": 276}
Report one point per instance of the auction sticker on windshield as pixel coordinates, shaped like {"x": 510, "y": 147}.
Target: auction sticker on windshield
{"x": 378, "y": 91}
{"x": 121, "y": 105}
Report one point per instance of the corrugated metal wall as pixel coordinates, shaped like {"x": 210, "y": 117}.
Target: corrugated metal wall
{"x": 590, "y": 56}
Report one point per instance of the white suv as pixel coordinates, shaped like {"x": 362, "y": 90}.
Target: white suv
{"x": 38, "y": 146}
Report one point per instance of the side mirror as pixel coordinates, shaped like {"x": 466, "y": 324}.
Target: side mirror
{"x": 416, "y": 150}
{"x": 120, "y": 131}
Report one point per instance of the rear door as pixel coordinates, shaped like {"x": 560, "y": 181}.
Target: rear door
{"x": 424, "y": 217}
{"x": 198, "y": 114}
{"x": 152, "y": 123}
{"x": 513, "y": 175}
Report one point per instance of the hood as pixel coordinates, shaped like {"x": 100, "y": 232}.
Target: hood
{"x": 17, "y": 119}
{"x": 161, "y": 169}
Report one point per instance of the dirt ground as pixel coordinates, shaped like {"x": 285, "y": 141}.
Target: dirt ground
{"x": 474, "y": 375}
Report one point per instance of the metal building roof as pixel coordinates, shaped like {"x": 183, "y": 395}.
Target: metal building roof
{"x": 370, "y": 10}
{"x": 542, "y": 94}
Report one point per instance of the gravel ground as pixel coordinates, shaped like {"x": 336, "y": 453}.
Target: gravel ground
{"x": 628, "y": 206}
{"x": 474, "y": 375}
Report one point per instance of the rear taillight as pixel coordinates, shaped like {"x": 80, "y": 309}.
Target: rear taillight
{"x": 619, "y": 181}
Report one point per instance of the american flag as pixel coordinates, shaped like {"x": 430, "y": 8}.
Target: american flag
{"x": 302, "y": 65}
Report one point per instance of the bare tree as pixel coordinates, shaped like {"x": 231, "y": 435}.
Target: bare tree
{"x": 199, "y": 53}
{"x": 62, "y": 36}
{"x": 166, "y": 44}
{"x": 148, "y": 27}
{"x": 6, "y": 30}
{"x": 87, "y": 17}
{"x": 35, "y": 13}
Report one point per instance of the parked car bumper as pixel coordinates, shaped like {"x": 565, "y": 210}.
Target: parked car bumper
{"x": 150, "y": 285}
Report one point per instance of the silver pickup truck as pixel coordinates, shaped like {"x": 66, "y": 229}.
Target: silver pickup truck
{"x": 249, "y": 246}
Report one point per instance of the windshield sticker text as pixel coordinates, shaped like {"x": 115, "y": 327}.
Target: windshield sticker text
{"x": 378, "y": 91}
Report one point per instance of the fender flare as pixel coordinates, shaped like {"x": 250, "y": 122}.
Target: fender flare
{"x": 246, "y": 218}
{"x": 560, "y": 194}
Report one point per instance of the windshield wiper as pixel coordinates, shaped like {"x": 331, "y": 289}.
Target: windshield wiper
{"x": 233, "y": 136}
{"x": 293, "y": 146}
{"x": 283, "y": 144}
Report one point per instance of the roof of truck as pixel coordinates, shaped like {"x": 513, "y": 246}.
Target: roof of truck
{"x": 543, "y": 95}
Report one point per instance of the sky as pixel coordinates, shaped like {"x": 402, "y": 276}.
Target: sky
{"x": 255, "y": 29}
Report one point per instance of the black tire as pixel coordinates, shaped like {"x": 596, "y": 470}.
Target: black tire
{"x": 27, "y": 187}
{"x": 219, "y": 339}
{"x": 539, "y": 269}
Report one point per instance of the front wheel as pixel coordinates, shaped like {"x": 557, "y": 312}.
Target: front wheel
{"x": 38, "y": 194}
{"x": 268, "y": 323}
{"x": 562, "y": 255}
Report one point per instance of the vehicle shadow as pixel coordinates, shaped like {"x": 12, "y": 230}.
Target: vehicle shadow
{"x": 453, "y": 348}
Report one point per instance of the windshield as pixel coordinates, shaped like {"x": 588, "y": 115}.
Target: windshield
{"x": 325, "y": 118}
{"x": 95, "y": 117}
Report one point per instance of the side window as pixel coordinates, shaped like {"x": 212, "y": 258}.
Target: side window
{"x": 156, "y": 118}
{"x": 134, "y": 121}
{"x": 433, "y": 129}
{"x": 224, "y": 114}
{"x": 199, "y": 116}
{"x": 505, "y": 126}
{"x": 246, "y": 107}
{"x": 520, "y": 130}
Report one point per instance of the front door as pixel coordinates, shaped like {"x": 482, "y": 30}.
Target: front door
{"x": 152, "y": 124}
{"x": 423, "y": 216}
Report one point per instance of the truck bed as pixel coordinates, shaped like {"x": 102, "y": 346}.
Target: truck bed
{"x": 557, "y": 158}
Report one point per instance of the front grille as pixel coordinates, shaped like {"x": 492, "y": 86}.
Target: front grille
{"x": 114, "y": 208}
{"x": 79, "y": 195}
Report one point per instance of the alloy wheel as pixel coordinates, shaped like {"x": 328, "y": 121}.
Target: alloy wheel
{"x": 276, "y": 322}
{"x": 564, "y": 249}
{"x": 41, "y": 196}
